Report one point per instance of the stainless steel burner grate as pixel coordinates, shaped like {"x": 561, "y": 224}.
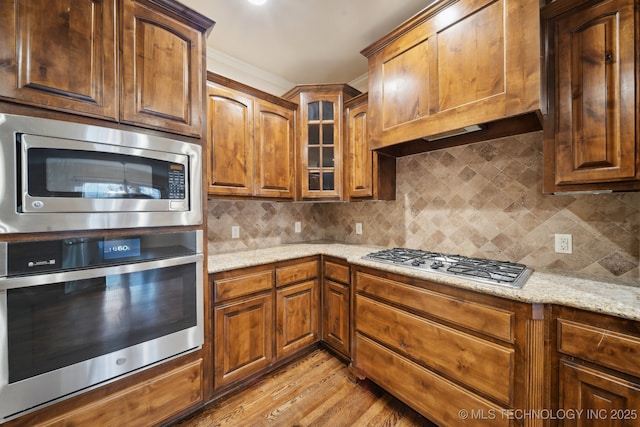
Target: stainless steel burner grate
{"x": 482, "y": 270}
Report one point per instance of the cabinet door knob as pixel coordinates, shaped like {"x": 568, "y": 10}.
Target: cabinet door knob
{"x": 608, "y": 57}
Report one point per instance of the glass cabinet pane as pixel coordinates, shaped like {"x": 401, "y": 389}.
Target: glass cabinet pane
{"x": 328, "y": 159}
{"x": 314, "y": 157}
{"x": 327, "y": 134}
{"x": 314, "y": 180}
{"x": 314, "y": 134}
{"x": 327, "y": 181}
{"x": 314, "y": 110}
{"x": 327, "y": 110}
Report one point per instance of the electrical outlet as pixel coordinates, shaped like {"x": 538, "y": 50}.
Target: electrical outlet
{"x": 235, "y": 232}
{"x": 358, "y": 228}
{"x": 297, "y": 227}
{"x": 564, "y": 244}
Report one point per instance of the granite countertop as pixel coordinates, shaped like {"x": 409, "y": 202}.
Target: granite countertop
{"x": 602, "y": 295}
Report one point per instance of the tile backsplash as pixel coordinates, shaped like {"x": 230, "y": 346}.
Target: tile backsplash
{"x": 483, "y": 199}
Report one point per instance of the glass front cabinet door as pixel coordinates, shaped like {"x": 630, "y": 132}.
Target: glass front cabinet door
{"x": 320, "y": 142}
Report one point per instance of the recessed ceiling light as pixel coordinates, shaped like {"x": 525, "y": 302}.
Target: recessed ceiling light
{"x": 258, "y": 2}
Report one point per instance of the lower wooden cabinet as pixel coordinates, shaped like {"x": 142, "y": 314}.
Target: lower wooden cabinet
{"x": 297, "y": 317}
{"x": 262, "y": 315}
{"x": 242, "y": 338}
{"x": 336, "y": 309}
{"x": 444, "y": 350}
{"x": 595, "y": 372}
{"x": 152, "y": 402}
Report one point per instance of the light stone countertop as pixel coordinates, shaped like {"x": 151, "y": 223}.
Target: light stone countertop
{"x": 602, "y": 295}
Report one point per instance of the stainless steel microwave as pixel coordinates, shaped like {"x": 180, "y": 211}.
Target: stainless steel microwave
{"x": 59, "y": 176}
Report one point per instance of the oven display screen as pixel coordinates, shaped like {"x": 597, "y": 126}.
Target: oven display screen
{"x": 120, "y": 248}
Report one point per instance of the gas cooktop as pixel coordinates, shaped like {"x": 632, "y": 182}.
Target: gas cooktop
{"x": 487, "y": 271}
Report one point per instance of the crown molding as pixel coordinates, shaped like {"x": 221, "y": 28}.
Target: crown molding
{"x": 361, "y": 83}
{"x": 229, "y": 66}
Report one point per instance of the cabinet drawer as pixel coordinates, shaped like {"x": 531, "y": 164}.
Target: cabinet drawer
{"x": 296, "y": 273}
{"x": 148, "y": 403}
{"x": 434, "y": 397}
{"x": 491, "y": 321}
{"x": 225, "y": 289}
{"x": 337, "y": 272}
{"x": 480, "y": 364}
{"x": 601, "y": 346}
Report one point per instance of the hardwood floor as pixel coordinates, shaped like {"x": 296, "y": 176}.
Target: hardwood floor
{"x": 315, "y": 390}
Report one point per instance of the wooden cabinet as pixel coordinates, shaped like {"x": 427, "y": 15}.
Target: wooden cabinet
{"x": 251, "y": 141}
{"x": 145, "y": 404}
{"x": 319, "y": 143}
{"x": 70, "y": 56}
{"x": 297, "y": 306}
{"x": 367, "y": 174}
{"x": 163, "y": 69}
{"x": 595, "y": 372}
{"x": 336, "y": 305}
{"x": 261, "y": 316}
{"x": 441, "y": 349}
{"x": 453, "y": 66}
{"x": 62, "y": 56}
{"x": 243, "y": 324}
{"x": 591, "y": 133}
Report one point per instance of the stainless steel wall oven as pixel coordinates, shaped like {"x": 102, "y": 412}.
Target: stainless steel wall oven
{"x": 57, "y": 176}
{"x": 78, "y": 312}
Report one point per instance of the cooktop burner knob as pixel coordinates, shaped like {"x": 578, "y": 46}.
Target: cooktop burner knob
{"x": 437, "y": 264}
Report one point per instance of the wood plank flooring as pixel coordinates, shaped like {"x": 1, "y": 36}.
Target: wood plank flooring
{"x": 315, "y": 390}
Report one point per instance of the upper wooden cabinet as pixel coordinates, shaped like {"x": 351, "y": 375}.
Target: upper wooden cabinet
{"x": 591, "y": 140}
{"x": 251, "y": 141}
{"x": 60, "y": 54}
{"x": 454, "y": 65}
{"x": 367, "y": 174}
{"x": 65, "y": 54}
{"x": 163, "y": 67}
{"x": 320, "y": 111}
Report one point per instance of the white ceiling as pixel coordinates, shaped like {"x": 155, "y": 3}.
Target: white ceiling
{"x": 300, "y": 41}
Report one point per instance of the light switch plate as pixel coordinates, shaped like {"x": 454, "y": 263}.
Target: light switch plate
{"x": 297, "y": 227}
{"x": 358, "y": 228}
{"x": 235, "y": 232}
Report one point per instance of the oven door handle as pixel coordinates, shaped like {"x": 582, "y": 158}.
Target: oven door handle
{"x": 64, "y": 276}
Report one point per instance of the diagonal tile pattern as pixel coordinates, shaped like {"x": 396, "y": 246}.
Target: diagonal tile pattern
{"x": 482, "y": 200}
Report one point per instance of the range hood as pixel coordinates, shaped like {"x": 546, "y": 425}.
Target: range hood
{"x": 509, "y": 126}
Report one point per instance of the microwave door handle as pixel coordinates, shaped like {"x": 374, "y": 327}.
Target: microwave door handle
{"x": 65, "y": 276}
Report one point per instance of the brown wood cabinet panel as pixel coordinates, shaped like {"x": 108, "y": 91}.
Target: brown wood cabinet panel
{"x": 243, "y": 338}
{"x": 424, "y": 390}
{"x": 482, "y": 365}
{"x": 591, "y": 137}
{"x": 488, "y": 320}
{"x": 367, "y": 174}
{"x": 251, "y": 141}
{"x": 297, "y": 323}
{"x": 338, "y": 272}
{"x": 598, "y": 345}
{"x": 298, "y": 272}
{"x": 63, "y": 57}
{"x": 148, "y": 403}
{"x": 162, "y": 70}
{"x": 225, "y": 289}
{"x": 274, "y": 150}
{"x": 336, "y": 307}
{"x": 319, "y": 147}
{"x": 454, "y": 65}
{"x": 229, "y": 141}
{"x": 600, "y": 399}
